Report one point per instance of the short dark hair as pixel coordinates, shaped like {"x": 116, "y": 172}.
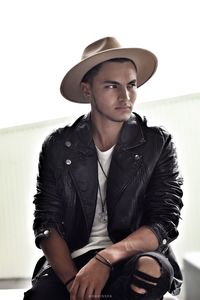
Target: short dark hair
{"x": 89, "y": 76}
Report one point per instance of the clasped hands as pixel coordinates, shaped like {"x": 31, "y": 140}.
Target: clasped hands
{"x": 89, "y": 281}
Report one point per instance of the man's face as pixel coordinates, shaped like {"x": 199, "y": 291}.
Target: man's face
{"x": 113, "y": 91}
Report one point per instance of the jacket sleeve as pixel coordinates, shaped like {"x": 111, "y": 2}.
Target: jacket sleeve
{"x": 163, "y": 198}
{"x": 48, "y": 205}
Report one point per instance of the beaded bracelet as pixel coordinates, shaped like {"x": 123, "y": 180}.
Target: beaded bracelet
{"x": 105, "y": 261}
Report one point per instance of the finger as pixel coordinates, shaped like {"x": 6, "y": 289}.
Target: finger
{"x": 69, "y": 286}
{"x": 74, "y": 290}
{"x": 81, "y": 292}
{"x": 97, "y": 293}
{"x": 89, "y": 295}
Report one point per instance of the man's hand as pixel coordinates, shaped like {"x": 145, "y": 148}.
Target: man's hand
{"x": 89, "y": 281}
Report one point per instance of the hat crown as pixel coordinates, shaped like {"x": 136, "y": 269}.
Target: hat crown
{"x": 104, "y": 44}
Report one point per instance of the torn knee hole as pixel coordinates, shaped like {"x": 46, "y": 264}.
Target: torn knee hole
{"x": 142, "y": 281}
{"x": 149, "y": 265}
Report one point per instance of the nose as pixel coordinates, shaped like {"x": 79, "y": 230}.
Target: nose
{"x": 124, "y": 94}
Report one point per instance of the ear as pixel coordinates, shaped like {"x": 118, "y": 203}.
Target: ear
{"x": 86, "y": 90}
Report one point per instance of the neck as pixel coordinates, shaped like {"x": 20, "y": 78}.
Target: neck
{"x": 105, "y": 134}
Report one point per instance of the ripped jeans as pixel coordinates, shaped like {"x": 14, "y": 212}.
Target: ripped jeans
{"x": 48, "y": 286}
{"x": 155, "y": 287}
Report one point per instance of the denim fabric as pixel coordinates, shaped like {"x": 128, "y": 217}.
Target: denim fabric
{"x": 49, "y": 287}
{"x": 120, "y": 289}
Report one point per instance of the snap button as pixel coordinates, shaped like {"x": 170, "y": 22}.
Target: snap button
{"x": 46, "y": 232}
{"x": 137, "y": 157}
{"x": 68, "y": 144}
{"x": 68, "y": 162}
{"x": 164, "y": 242}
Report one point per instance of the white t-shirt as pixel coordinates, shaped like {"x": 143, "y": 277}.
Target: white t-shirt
{"x": 99, "y": 234}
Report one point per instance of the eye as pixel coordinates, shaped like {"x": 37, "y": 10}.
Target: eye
{"x": 111, "y": 86}
{"x": 133, "y": 84}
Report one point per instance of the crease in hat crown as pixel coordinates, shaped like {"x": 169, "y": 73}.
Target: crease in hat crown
{"x": 99, "y": 46}
{"x": 101, "y": 51}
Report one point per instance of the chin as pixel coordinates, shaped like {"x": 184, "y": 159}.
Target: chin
{"x": 125, "y": 117}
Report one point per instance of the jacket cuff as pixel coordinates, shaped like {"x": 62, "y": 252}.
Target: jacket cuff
{"x": 161, "y": 235}
{"x": 44, "y": 232}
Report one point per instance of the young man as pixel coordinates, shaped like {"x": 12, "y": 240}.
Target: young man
{"x": 108, "y": 194}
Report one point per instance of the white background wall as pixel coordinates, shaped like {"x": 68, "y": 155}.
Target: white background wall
{"x": 19, "y": 152}
{"x": 41, "y": 39}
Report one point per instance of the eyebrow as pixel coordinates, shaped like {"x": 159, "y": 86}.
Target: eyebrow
{"x": 116, "y": 82}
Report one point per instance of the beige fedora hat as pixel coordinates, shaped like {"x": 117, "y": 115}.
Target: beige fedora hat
{"x": 100, "y": 51}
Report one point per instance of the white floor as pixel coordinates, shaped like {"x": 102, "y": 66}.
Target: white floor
{"x": 18, "y": 294}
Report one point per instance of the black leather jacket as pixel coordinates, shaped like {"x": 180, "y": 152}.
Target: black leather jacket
{"x": 143, "y": 185}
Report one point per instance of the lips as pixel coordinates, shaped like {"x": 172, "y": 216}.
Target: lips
{"x": 123, "y": 108}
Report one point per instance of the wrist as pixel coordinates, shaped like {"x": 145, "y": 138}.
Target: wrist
{"x": 109, "y": 255}
{"x": 69, "y": 282}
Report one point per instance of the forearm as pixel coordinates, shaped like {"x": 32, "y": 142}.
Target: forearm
{"x": 58, "y": 255}
{"x": 142, "y": 240}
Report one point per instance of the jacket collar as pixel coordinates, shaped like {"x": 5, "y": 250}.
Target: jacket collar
{"x": 82, "y": 135}
{"x": 131, "y": 135}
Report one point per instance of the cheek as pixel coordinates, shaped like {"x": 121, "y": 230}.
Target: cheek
{"x": 104, "y": 98}
{"x": 133, "y": 95}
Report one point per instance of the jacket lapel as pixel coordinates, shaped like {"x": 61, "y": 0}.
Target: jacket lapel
{"x": 83, "y": 168}
{"x": 126, "y": 161}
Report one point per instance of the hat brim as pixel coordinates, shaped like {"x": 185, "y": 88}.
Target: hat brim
{"x": 144, "y": 60}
